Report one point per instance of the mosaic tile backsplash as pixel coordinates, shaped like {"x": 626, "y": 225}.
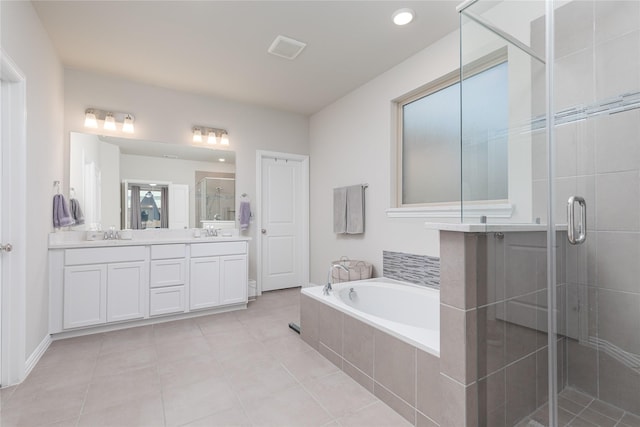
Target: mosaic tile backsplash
{"x": 420, "y": 270}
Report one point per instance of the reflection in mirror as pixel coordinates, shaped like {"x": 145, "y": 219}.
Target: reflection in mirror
{"x": 215, "y": 198}
{"x": 102, "y": 170}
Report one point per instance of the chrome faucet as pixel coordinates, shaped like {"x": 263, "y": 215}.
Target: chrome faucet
{"x": 327, "y": 288}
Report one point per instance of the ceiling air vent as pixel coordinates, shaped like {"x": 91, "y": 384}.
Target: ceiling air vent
{"x": 286, "y": 48}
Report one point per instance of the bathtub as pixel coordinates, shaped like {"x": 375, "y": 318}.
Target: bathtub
{"x": 408, "y": 312}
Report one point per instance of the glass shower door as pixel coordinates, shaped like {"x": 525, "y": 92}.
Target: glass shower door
{"x": 597, "y": 138}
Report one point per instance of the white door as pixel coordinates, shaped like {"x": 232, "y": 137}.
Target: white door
{"x": 282, "y": 213}
{"x": 178, "y": 206}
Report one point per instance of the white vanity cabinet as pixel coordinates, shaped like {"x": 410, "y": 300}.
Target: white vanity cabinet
{"x": 218, "y": 274}
{"x": 103, "y": 285}
{"x": 99, "y": 284}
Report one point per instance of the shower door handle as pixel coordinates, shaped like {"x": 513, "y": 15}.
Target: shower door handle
{"x": 576, "y": 237}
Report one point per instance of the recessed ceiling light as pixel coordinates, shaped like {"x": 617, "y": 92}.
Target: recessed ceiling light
{"x": 221, "y": 159}
{"x": 403, "y": 16}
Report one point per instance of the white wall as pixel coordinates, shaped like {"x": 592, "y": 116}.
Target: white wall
{"x": 167, "y": 116}
{"x": 351, "y": 144}
{"x": 25, "y": 41}
{"x": 352, "y": 141}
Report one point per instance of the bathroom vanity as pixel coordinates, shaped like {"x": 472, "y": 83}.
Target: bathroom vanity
{"x": 108, "y": 284}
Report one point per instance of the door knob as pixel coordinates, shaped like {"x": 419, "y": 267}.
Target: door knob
{"x": 6, "y": 248}
{"x": 264, "y": 231}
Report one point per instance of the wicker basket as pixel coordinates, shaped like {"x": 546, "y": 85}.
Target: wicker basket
{"x": 358, "y": 270}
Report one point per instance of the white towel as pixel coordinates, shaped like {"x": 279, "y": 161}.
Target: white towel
{"x": 355, "y": 209}
{"x": 340, "y": 210}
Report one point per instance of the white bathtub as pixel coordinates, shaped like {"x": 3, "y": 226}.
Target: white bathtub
{"x": 408, "y": 312}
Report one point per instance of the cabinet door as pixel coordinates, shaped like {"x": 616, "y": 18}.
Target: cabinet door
{"x": 127, "y": 291}
{"x": 204, "y": 284}
{"x": 85, "y": 296}
{"x": 233, "y": 278}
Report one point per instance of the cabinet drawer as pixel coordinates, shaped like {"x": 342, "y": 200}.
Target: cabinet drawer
{"x": 166, "y": 300}
{"x": 168, "y": 272}
{"x": 216, "y": 249}
{"x": 104, "y": 255}
{"x": 168, "y": 251}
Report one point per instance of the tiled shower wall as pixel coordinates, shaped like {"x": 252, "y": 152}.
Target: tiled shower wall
{"x": 495, "y": 285}
{"x": 597, "y": 59}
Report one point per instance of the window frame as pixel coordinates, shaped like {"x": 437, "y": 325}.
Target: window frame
{"x": 501, "y": 207}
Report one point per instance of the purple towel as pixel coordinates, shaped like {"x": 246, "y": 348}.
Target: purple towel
{"x": 245, "y": 214}
{"x": 61, "y": 215}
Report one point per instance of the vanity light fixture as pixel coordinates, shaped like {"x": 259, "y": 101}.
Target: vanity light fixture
{"x": 197, "y": 135}
{"x": 213, "y": 135}
{"x": 109, "y": 120}
{"x": 403, "y": 16}
{"x": 90, "y": 120}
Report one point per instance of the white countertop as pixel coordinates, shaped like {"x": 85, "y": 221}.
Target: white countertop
{"x": 77, "y": 239}
{"x": 489, "y": 228}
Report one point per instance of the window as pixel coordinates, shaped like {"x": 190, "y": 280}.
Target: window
{"x": 429, "y": 160}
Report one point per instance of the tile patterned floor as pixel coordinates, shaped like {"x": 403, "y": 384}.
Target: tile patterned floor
{"x": 576, "y": 409}
{"x": 245, "y": 368}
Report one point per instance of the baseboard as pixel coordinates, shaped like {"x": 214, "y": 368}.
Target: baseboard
{"x": 32, "y": 361}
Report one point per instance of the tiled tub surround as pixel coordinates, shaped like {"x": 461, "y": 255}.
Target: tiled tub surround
{"x": 402, "y": 375}
{"x": 420, "y": 270}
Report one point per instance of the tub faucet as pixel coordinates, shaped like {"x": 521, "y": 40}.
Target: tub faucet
{"x": 327, "y": 288}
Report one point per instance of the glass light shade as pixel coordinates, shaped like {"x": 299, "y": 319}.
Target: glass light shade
{"x": 224, "y": 139}
{"x": 110, "y": 122}
{"x": 90, "y": 120}
{"x": 403, "y": 16}
{"x": 197, "y": 135}
{"x": 212, "y": 139}
{"x": 127, "y": 126}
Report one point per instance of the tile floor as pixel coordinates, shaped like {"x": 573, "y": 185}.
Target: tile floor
{"x": 577, "y": 409}
{"x": 244, "y": 368}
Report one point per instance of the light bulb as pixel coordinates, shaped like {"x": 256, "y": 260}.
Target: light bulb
{"x": 109, "y": 122}
{"x": 402, "y": 16}
{"x": 127, "y": 126}
{"x": 224, "y": 139}
{"x": 211, "y": 139}
{"x": 90, "y": 120}
{"x": 197, "y": 135}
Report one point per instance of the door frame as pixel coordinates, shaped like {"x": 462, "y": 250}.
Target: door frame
{"x": 304, "y": 166}
{"x": 13, "y": 203}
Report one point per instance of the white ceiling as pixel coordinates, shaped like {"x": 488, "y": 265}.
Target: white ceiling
{"x": 219, "y": 48}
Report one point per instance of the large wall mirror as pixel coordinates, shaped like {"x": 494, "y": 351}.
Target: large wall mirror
{"x": 136, "y": 184}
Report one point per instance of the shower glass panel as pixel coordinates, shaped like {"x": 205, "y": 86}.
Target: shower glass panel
{"x": 595, "y": 156}
{"x": 503, "y": 145}
{"x": 597, "y": 149}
